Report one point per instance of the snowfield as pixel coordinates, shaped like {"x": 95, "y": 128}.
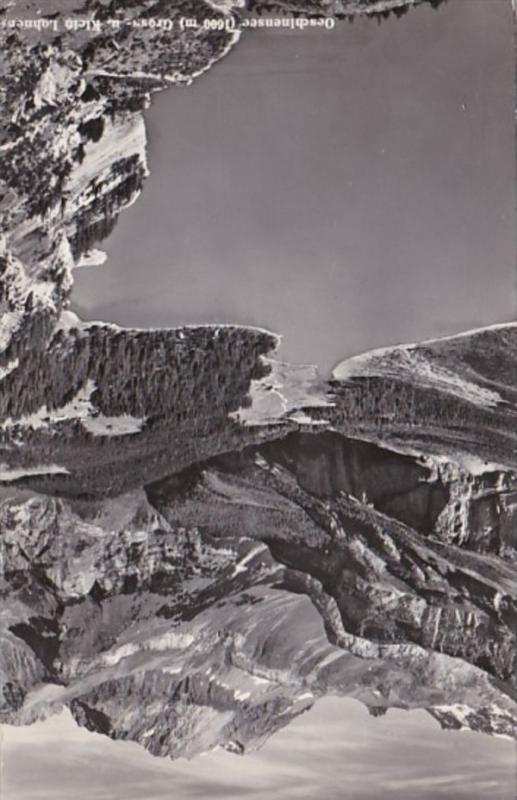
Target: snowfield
{"x": 406, "y": 362}
{"x": 281, "y": 395}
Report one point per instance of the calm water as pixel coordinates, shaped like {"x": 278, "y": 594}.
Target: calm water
{"x": 348, "y": 189}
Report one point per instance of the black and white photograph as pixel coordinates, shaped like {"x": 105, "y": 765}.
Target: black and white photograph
{"x": 258, "y": 400}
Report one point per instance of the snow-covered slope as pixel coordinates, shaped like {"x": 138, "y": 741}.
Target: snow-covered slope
{"x": 454, "y": 398}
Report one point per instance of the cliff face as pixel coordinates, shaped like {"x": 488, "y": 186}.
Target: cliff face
{"x": 76, "y": 80}
{"x": 216, "y": 539}
{"x": 72, "y": 135}
{"x": 215, "y": 606}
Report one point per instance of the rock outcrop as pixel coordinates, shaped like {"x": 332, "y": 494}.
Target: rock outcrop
{"x": 221, "y": 602}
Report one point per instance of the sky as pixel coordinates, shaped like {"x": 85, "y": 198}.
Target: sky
{"x": 347, "y": 189}
{"x": 335, "y": 752}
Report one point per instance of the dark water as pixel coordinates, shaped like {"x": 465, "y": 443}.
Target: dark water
{"x": 349, "y": 189}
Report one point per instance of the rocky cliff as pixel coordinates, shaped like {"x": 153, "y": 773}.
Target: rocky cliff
{"x": 214, "y": 606}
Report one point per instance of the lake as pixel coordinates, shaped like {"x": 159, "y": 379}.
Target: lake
{"x": 348, "y": 189}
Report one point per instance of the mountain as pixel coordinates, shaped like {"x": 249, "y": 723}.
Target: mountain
{"x": 456, "y": 394}
{"x": 108, "y": 407}
{"x": 217, "y": 604}
{"x": 202, "y": 540}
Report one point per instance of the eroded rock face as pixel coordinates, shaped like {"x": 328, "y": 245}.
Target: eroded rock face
{"x": 219, "y": 604}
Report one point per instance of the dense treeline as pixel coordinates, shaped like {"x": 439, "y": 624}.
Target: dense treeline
{"x": 317, "y": 8}
{"x": 39, "y": 180}
{"x": 423, "y": 414}
{"x": 152, "y": 50}
{"x": 175, "y": 372}
{"x": 151, "y": 374}
{"x": 181, "y": 385}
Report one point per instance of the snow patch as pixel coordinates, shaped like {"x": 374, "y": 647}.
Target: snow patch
{"x": 8, "y": 473}
{"x": 304, "y": 419}
{"x": 92, "y": 258}
{"x": 241, "y": 565}
{"x": 260, "y": 681}
{"x": 226, "y": 6}
{"x": 78, "y": 408}
{"x": 121, "y": 652}
{"x": 286, "y": 390}
{"x": 408, "y": 362}
{"x": 123, "y": 425}
{"x": 442, "y": 465}
{"x": 329, "y": 659}
{"x": 67, "y": 320}
{"x": 498, "y": 597}
{"x": 172, "y": 640}
{"x": 460, "y": 712}
{"x": 477, "y": 466}
{"x": 10, "y": 367}
{"x": 240, "y": 695}
{"x": 10, "y": 323}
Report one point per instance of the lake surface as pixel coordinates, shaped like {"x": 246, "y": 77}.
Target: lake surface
{"x": 348, "y": 189}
